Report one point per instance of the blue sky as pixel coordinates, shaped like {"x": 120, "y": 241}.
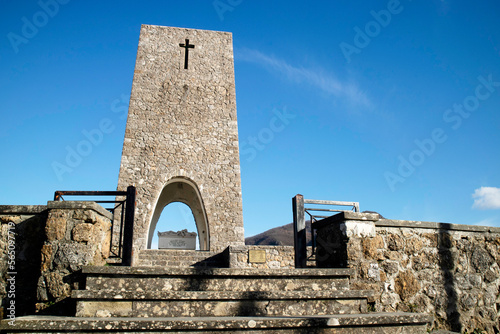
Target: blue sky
{"x": 393, "y": 104}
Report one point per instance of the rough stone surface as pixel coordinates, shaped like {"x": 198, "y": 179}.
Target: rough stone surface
{"x": 182, "y": 126}
{"x": 180, "y": 258}
{"x": 406, "y": 285}
{"x": 51, "y": 244}
{"x": 83, "y": 232}
{"x": 275, "y": 257}
{"x": 22, "y": 235}
{"x": 187, "y": 294}
{"x": 76, "y": 236}
{"x": 221, "y": 303}
{"x": 339, "y": 324}
{"x": 214, "y": 279}
{"x": 56, "y": 227}
{"x": 450, "y": 271}
{"x": 372, "y": 245}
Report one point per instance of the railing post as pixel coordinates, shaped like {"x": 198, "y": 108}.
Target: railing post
{"x": 128, "y": 230}
{"x": 57, "y": 196}
{"x": 299, "y": 232}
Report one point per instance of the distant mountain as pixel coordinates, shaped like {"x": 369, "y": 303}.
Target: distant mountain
{"x": 278, "y": 236}
{"x": 282, "y": 235}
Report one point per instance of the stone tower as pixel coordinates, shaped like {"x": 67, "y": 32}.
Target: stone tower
{"x": 181, "y": 139}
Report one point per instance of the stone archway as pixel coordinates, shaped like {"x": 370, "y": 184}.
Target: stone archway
{"x": 182, "y": 190}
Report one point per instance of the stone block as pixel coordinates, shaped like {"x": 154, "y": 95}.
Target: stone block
{"x": 393, "y": 255}
{"x": 47, "y": 254}
{"x": 423, "y": 261}
{"x": 358, "y": 229}
{"x": 56, "y": 285}
{"x": 83, "y": 232}
{"x": 395, "y": 242}
{"x": 104, "y": 309}
{"x": 445, "y": 240}
{"x": 481, "y": 260}
{"x": 413, "y": 245}
{"x": 72, "y": 256}
{"x": 371, "y": 247}
{"x": 391, "y": 267}
{"x": 8, "y": 218}
{"x": 56, "y": 228}
{"x": 88, "y": 216}
{"x": 406, "y": 285}
{"x": 432, "y": 239}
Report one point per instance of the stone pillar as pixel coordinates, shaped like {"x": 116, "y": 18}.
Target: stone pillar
{"x": 181, "y": 139}
{"x": 338, "y": 237}
{"x": 77, "y": 234}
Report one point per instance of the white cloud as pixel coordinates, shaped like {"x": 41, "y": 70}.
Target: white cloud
{"x": 486, "y": 198}
{"x": 318, "y": 78}
{"x": 490, "y": 222}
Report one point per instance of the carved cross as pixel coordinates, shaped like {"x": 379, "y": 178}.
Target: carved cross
{"x": 186, "y": 47}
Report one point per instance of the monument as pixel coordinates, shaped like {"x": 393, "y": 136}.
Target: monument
{"x": 181, "y": 139}
{"x": 177, "y": 240}
{"x": 181, "y": 145}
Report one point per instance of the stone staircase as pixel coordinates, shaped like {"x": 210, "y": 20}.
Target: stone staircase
{"x": 176, "y": 292}
{"x": 209, "y": 300}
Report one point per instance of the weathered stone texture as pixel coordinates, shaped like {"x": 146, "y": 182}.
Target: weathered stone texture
{"x": 76, "y": 235}
{"x": 22, "y": 228}
{"x": 182, "y": 124}
{"x": 406, "y": 285}
{"x": 275, "y": 257}
{"x": 451, "y": 271}
{"x": 372, "y": 323}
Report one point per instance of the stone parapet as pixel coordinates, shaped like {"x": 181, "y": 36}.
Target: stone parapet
{"x": 43, "y": 248}
{"x": 448, "y": 270}
{"x": 77, "y": 206}
{"x": 77, "y": 234}
{"x": 21, "y": 210}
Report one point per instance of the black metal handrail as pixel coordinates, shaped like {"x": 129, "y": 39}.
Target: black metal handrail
{"x": 126, "y": 219}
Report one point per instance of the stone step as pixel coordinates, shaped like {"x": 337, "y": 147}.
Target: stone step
{"x": 180, "y": 258}
{"x": 215, "y": 279}
{"x": 218, "y": 303}
{"x": 374, "y": 323}
{"x": 183, "y": 263}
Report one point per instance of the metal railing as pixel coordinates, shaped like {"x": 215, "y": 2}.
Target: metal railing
{"x": 123, "y": 216}
{"x": 354, "y": 207}
{"x": 299, "y": 223}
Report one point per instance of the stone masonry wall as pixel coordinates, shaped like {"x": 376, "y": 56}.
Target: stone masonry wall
{"x": 276, "y": 257}
{"x": 77, "y": 234}
{"x": 182, "y": 123}
{"x": 449, "y": 271}
{"x": 21, "y": 239}
{"x": 42, "y": 249}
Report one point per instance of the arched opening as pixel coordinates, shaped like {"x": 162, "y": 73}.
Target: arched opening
{"x": 184, "y": 191}
{"x": 175, "y": 216}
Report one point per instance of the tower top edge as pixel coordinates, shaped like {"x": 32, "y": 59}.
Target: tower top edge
{"x": 152, "y": 26}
